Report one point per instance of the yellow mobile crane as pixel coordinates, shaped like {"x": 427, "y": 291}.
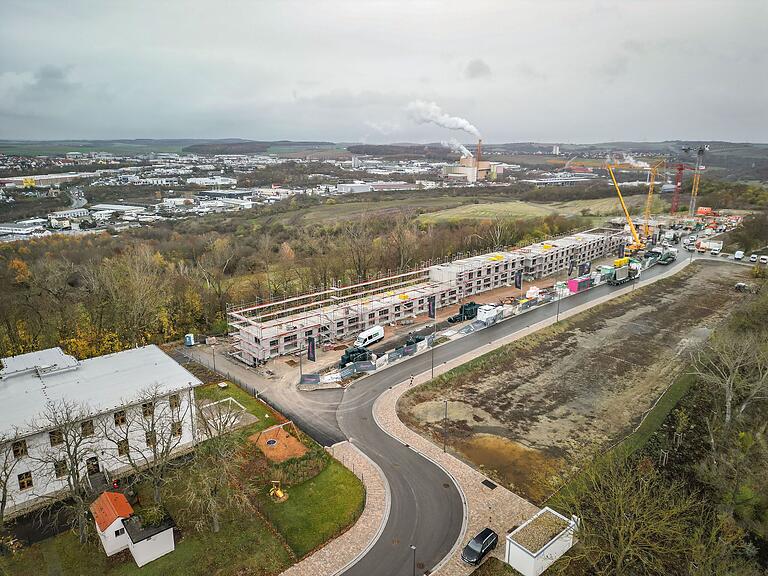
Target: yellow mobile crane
{"x": 649, "y": 199}
{"x": 636, "y": 244}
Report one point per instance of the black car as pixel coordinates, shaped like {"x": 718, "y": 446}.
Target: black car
{"x": 479, "y": 546}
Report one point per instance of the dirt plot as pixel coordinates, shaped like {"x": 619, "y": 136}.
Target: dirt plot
{"x": 529, "y": 412}
{"x": 278, "y": 444}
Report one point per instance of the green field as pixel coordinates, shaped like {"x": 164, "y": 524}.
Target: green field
{"x": 517, "y": 209}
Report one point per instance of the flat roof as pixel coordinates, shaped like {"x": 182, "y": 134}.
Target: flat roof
{"x": 29, "y": 381}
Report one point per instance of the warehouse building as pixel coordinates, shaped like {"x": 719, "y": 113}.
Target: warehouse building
{"x": 267, "y": 330}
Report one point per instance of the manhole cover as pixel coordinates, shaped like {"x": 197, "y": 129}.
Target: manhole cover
{"x": 420, "y": 565}
{"x": 446, "y": 485}
{"x": 271, "y": 442}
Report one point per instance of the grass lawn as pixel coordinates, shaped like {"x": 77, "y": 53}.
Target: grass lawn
{"x": 318, "y": 509}
{"x": 242, "y": 547}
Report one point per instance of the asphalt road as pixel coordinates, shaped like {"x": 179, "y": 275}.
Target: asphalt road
{"x": 426, "y": 506}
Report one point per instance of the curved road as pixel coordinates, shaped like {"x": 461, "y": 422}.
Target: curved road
{"x": 426, "y": 508}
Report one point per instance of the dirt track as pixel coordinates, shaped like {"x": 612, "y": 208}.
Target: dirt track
{"x": 538, "y": 406}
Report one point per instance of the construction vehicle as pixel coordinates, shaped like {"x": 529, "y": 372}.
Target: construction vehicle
{"x": 467, "y": 311}
{"x": 637, "y": 244}
{"x": 662, "y": 254}
{"x": 355, "y": 354}
{"x": 624, "y": 270}
{"x": 672, "y": 236}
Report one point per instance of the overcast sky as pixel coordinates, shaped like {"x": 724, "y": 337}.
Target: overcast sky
{"x": 543, "y": 70}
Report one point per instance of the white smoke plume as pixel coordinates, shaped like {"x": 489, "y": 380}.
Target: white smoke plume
{"x": 430, "y": 113}
{"x": 629, "y": 159}
{"x": 456, "y": 146}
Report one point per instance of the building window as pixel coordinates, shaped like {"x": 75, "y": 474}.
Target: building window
{"x": 148, "y": 409}
{"x": 56, "y": 437}
{"x": 176, "y": 428}
{"x": 19, "y": 449}
{"x": 25, "y": 480}
{"x": 60, "y": 468}
{"x": 87, "y": 428}
{"x": 119, "y": 532}
{"x": 174, "y": 401}
{"x": 120, "y": 418}
{"x": 150, "y": 438}
{"x": 122, "y": 447}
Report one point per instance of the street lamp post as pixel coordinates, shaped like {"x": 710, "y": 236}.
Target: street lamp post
{"x": 413, "y": 547}
{"x": 213, "y": 349}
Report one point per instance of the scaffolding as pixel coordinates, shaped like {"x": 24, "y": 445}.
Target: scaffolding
{"x": 265, "y": 330}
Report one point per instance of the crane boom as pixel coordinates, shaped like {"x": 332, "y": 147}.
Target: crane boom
{"x": 649, "y": 200}
{"x": 637, "y": 243}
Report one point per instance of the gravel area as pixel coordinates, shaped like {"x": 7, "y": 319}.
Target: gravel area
{"x": 534, "y": 535}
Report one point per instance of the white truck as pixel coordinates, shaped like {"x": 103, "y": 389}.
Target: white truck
{"x": 711, "y": 246}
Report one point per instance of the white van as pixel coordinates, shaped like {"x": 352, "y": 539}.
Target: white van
{"x": 370, "y": 336}
{"x": 738, "y": 255}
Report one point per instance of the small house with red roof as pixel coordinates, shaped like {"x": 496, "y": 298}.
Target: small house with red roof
{"x": 119, "y": 528}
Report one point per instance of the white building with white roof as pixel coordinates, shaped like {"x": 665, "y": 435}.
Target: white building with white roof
{"x": 110, "y": 390}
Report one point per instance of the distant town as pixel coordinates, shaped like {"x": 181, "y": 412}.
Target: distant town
{"x": 192, "y": 185}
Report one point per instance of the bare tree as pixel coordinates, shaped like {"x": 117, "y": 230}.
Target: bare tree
{"x": 357, "y": 238}
{"x": 212, "y": 484}
{"x": 735, "y": 368}
{"x": 402, "y": 239}
{"x": 147, "y": 434}
{"x": 8, "y": 463}
{"x": 217, "y": 264}
{"x": 72, "y": 445}
{"x": 632, "y": 521}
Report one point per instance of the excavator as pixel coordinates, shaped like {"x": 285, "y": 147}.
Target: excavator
{"x": 637, "y": 244}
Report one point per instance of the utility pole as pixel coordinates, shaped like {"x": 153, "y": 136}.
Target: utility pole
{"x": 213, "y": 349}
{"x": 414, "y": 559}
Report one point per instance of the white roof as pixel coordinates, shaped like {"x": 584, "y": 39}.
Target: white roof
{"x": 29, "y": 381}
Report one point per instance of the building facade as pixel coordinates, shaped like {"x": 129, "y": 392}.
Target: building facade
{"x": 119, "y": 408}
{"x": 273, "y": 329}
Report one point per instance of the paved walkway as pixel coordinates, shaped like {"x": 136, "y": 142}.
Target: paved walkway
{"x": 337, "y": 555}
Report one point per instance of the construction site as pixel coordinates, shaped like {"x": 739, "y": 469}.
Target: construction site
{"x": 532, "y": 412}
{"x": 268, "y": 330}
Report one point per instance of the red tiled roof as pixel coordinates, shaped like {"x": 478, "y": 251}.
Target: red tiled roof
{"x": 109, "y": 507}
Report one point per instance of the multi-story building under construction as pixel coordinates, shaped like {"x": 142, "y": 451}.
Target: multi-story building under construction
{"x": 263, "y": 331}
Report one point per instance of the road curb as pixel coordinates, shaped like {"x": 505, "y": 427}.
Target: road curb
{"x": 384, "y": 518}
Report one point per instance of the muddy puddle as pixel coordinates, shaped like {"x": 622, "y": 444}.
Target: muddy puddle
{"x": 524, "y": 470}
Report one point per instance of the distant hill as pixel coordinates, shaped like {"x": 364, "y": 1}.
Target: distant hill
{"x": 404, "y": 151}
{"x": 250, "y": 146}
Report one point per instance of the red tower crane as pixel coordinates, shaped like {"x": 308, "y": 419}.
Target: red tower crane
{"x": 679, "y": 186}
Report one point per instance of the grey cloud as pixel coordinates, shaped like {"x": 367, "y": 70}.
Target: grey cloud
{"x": 343, "y": 67}
{"x": 477, "y": 68}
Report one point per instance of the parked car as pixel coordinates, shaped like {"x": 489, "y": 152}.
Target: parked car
{"x": 738, "y": 255}
{"x": 479, "y": 546}
{"x": 763, "y": 259}
{"x": 753, "y": 258}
